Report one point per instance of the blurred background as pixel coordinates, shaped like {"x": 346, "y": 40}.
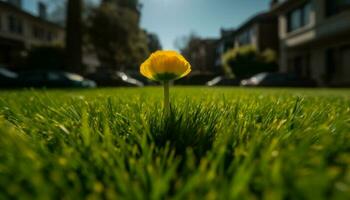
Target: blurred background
{"x": 90, "y": 43}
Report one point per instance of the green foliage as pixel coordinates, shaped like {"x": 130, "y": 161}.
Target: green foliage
{"x": 153, "y": 42}
{"x": 130, "y": 4}
{"x": 116, "y": 36}
{"x": 216, "y": 144}
{"x": 246, "y": 61}
{"x": 45, "y": 57}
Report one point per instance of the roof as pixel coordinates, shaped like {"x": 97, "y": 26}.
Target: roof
{"x": 226, "y": 33}
{"x": 259, "y": 18}
{"x": 285, "y": 5}
{"x": 33, "y": 17}
{"x": 210, "y": 40}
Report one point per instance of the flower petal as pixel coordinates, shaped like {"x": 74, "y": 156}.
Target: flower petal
{"x": 163, "y": 65}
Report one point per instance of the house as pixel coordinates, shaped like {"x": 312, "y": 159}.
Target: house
{"x": 226, "y": 41}
{"x": 315, "y": 39}
{"x": 202, "y": 54}
{"x": 20, "y": 31}
{"x": 260, "y": 31}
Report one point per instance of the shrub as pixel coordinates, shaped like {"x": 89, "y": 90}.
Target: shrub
{"x": 246, "y": 61}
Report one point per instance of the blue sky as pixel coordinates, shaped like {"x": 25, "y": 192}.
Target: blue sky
{"x": 172, "y": 19}
{"x": 32, "y": 6}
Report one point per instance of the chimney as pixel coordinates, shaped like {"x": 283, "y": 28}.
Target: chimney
{"x": 42, "y": 10}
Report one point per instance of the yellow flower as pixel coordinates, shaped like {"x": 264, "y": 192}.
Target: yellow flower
{"x": 165, "y": 66}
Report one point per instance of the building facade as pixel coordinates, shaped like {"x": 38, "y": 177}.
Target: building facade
{"x": 202, "y": 54}
{"x": 226, "y": 41}
{"x": 20, "y": 31}
{"x": 261, "y": 31}
{"x": 315, "y": 39}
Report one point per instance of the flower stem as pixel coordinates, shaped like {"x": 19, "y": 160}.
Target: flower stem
{"x": 166, "y": 97}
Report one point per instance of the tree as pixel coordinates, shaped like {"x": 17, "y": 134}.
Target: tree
{"x": 182, "y": 42}
{"x": 153, "y": 42}
{"x": 133, "y": 5}
{"x": 74, "y": 35}
{"x": 115, "y": 34}
{"x": 58, "y": 12}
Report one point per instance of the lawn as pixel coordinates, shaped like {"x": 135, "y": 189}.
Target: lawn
{"x": 217, "y": 143}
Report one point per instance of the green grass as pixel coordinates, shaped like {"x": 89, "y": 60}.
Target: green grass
{"x": 217, "y": 143}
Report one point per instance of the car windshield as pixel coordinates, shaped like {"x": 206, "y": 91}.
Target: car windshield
{"x": 74, "y": 77}
{"x": 260, "y": 77}
{"x": 214, "y": 81}
{"x": 8, "y": 73}
{"x": 54, "y": 76}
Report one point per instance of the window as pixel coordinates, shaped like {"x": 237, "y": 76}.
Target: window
{"x": 334, "y": 7}
{"x": 38, "y": 33}
{"x": 246, "y": 37}
{"x": 307, "y": 13}
{"x": 54, "y": 76}
{"x": 337, "y": 62}
{"x": 295, "y": 20}
{"x": 49, "y": 36}
{"x": 15, "y": 24}
{"x": 299, "y": 17}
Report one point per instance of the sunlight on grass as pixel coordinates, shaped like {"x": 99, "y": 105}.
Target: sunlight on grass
{"x": 217, "y": 143}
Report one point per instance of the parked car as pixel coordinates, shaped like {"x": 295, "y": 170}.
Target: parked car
{"x": 195, "y": 79}
{"x": 8, "y": 78}
{"x": 128, "y": 79}
{"x": 53, "y": 79}
{"x": 114, "y": 78}
{"x": 138, "y": 76}
{"x": 223, "y": 81}
{"x": 278, "y": 80}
